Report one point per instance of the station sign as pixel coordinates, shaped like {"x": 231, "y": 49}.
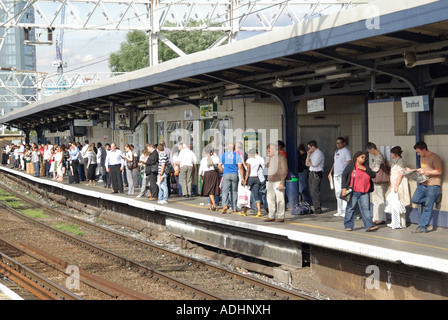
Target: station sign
{"x": 316, "y": 105}
{"x": 415, "y": 104}
{"x": 84, "y": 123}
{"x": 147, "y": 112}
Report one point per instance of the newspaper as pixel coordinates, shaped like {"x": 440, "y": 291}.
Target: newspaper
{"x": 414, "y": 175}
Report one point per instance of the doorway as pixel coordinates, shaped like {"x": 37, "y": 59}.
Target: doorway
{"x": 325, "y": 136}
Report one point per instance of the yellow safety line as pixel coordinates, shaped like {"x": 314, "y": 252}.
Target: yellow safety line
{"x": 338, "y": 230}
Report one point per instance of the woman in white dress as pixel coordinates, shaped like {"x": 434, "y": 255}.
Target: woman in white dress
{"x": 398, "y": 186}
{"x": 58, "y": 157}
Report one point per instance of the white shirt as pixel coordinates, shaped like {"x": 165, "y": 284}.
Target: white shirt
{"x": 186, "y": 158}
{"x": 341, "y": 158}
{"x": 47, "y": 152}
{"x": 254, "y": 166}
{"x": 318, "y": 160}
{"x": 84, "y": 151}
{"x": 203, "y": 167}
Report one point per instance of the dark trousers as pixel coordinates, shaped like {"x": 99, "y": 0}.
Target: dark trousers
{"x": 115, "y": 176}
{"x": 153, "y": 184}
{"x": 314, "y": 181}
{"x": 75, "y": 164}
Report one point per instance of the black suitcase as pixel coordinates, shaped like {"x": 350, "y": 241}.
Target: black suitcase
{"x": 71, "y": 177}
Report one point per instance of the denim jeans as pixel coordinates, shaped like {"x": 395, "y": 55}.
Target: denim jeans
{"x": 163, "y": 189}
{"x": 303, "y": 186}
{"x": 36, "y": 169}
{"x": 426, "y": 196}
{"x": 363, "y": 200}
{"x": 254, "y": 185}
{"x": 262, "y": 195}
{"x": 230, "y": 185}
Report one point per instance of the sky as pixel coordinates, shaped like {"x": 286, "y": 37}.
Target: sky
{"x": 83, "y": 51}
{"x": 89, "y": 50}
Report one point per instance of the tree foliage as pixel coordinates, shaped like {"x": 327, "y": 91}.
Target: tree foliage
{"x": 134, "y": 52}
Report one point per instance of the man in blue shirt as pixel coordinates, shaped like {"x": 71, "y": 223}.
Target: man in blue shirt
{"x": 74, "y": 162}
{"x": 230, "y": 164}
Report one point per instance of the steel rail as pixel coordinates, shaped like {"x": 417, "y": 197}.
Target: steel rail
{"x": 38, "y": 285}
{"x": 249, "y": 280}
{"x": 144, "y": 270}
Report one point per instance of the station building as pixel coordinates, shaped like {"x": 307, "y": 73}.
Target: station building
{"x": 340, "y": 75}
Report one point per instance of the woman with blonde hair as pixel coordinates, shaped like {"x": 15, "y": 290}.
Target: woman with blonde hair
{"x": 58, "y": 159}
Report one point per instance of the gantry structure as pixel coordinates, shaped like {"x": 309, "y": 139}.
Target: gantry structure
{"x": 233, "y": 18}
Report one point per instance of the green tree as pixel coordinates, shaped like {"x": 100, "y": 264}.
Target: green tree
{"x": 134, "y": 52}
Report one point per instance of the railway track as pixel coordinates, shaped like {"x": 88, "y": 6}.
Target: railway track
{"x": 177, "y": 271}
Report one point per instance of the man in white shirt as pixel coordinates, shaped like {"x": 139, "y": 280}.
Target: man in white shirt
{"x": 47, "y": 154}
{"x": 187, "y": 163}
{"x": 115, "y": 165}
{"x": 342, "y": 156}
{"x": 315, "y": 160}
{"x": 84, "y": 160}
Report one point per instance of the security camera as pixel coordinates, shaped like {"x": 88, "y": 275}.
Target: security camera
{"x": 410, "y": 59}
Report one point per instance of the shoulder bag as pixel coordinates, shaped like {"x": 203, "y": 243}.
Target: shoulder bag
{"x": 382, "y": 176}
{"x": 349, "y": 192}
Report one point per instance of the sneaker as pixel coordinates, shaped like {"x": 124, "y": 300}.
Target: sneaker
{"x": 339, "y": 214}
{"x": 419, "y": 230}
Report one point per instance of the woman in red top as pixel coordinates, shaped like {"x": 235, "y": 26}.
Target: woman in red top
{"x": 359, "y": 177}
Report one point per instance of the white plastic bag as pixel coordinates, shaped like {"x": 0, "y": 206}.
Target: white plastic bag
{"x": 395, "y": 208}
{"x": 243, "y": 196}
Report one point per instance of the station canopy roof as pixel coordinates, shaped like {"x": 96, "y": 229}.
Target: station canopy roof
{"x": 385, "y": 49}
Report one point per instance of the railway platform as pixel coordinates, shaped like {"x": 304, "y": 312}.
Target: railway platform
{"x": 386, "y": 264}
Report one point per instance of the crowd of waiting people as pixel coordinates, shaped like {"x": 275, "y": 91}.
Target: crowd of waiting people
{"x": 159, "y": 171}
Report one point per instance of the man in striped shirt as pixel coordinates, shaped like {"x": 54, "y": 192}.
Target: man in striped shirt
{"x": 162, "y": 177}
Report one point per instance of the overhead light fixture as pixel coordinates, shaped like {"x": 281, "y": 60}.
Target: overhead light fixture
{"x": 411, "y": 60}
{"x": 430, "y": 61}
{"x": 338, "y": 76}
{"x": 328, "y": 69}
{"x": 173, "y": 96}
{"x": 231, "y": 86}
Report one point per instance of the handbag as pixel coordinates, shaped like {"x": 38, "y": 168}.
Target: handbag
{"x": 132, "y": 164}
{"x": 349, "y": 193}
{"x": 382, "y": 176}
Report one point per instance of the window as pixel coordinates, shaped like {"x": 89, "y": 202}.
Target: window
{"x": 173, "y": 125}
